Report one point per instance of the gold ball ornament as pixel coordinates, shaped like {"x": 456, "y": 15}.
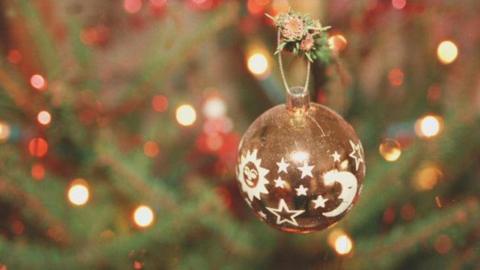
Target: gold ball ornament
{"x": 300, "y": 166}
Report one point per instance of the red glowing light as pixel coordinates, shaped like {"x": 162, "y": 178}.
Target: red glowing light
{"x": 395, "y": 76}
{"x": 399, "y": 4}
{"x": 160, "y": 103}
{"x": 132, "y": 6}
{"x": 38, "y": 82}
{"x": 38, "y": 171}
{"x": 14, "y": 56}
{"x": 38, "y": 147}
{"x": 257, "y": 7}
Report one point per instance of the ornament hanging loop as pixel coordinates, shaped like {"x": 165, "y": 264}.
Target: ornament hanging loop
{"x": 282, "y": 72}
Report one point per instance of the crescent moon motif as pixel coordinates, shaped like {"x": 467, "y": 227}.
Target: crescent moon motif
{"x": 349, "y": 184}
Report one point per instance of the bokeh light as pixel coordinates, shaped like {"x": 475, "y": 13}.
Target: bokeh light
{"x": 340, "y": 242}
{"x": 38, "y": 82}
{"x": 38, "y": 147}
{"x": 447, "y": 52}
{"x": 337, "y": 43}
{"x": 38, "y": 171}
{"x": 186, "y": 115}
{"x": 258, "y": 65}
{"x": 214, "y": 107}
{"x": 44, "y": 117}
{"x": 160, "y": 103}
{"x": 427, "y": 177}
{"x": 143, "y": 216}
{"x": 14, "y": 56}
{"x": 132, "y": 6}
{"x": 4, "y": 131}
{"x": 395, "y": 77}
{"x": 151, "y": 149}
{"x": 78, "y": 192}
{"x": 399, "y": 4}
{"x": 429, "y": 126}
{"x": 443, "y": 244}
{"x": 390, "y": 150}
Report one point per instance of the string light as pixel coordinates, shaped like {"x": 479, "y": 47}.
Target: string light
{"x": 160, "y": 103}
{"x": 340, "y": 242}
{"x": 44, "y": 118}
{"x": 427, "y": 177}
{"x": 14, "y": 56}
{"x": 395, "y": 76}
{"x": 399, "y": 4}
{"x": 4, "y": 131}
{"x": 447, "y": 52}
{"x": 38, "y": 147}
{"x": 258, "y": 65}
{"x": 38, "y": 82}
{"x": 337, "y": 43}
{"x": 78, "y": 193}
{"x": 151, "y": 149}
{"x": 143, "y": 216}
{"x": 214, "y": 107}
{"x": 186, "y": 115}
{"x": 132, "y": 6}
{"x": 429, "y": 126}
{"x": 390, "y": 150}
{"x": 38, "y": 171}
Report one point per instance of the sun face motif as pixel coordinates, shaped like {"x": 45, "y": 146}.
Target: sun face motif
{"x": 251, "y": 175}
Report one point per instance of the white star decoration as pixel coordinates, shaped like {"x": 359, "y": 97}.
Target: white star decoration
{"x": 279, "y": 182}
{"x": 262, "y": 214}
{"x": 335, "y": 156}
{"x": 319, "y": 202}
{"x": 301, "y": 190}
{"x": 282, "y": 166}
{"x": 306, "y": 170}
{"x": 283, "y": 208}
{"x": 356, "y": 154}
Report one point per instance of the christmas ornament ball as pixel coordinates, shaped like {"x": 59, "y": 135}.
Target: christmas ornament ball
{"x": 300, "y": 166}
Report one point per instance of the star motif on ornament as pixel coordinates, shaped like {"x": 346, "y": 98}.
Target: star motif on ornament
{"x": 279, "y": 182}
{"x": 248, "y": 202}
{"x": 282, "y": 166}
{"x": 288, "y": 215}
{"x": 262, "y": 214}
{"x": 319, "y": 202}
{"x": 306, "y": 170}
{"x": 301, "y": 190}
{"x": 252, "y": 176}
{"x": 335, "y": 156}
{"x": 356, "y": 154}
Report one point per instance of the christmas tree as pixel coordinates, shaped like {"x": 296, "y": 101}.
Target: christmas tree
{"x": 120, "y": 123}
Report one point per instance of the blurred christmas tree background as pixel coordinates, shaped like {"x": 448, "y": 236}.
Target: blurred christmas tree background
{"x": 120, "y": 120}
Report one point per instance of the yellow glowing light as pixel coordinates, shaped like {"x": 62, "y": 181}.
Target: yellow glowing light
{"x": 340, "y": 242}
{"x": 78, "y": 193}
{"x": 447, "y": 52}
{"x": 214, "y": 107}
{"x": 257, "y": 64}
{"x": 44, "y": 117}
{"x": 143, "y": 216}
{"x": 186, "y": 115}
{"x": 427, "y": 177}
{"x": 429, "y": 126}
{"x": 337, "y": 43}
{"x": 4, "y": 131}
{"x": 390, "y": 150}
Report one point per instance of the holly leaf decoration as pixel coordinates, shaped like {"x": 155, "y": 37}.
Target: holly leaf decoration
{"x": 302, "y": 35}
